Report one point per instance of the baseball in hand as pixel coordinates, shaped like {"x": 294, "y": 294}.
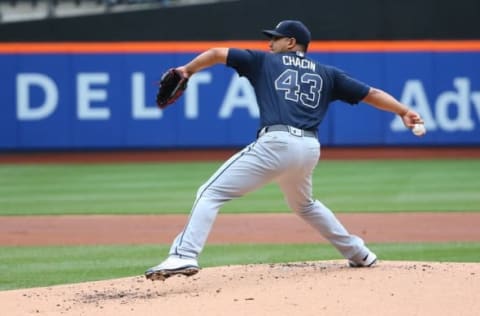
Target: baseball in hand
{"x": 419, "y": 130}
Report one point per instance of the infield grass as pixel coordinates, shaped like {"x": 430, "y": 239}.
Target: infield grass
{"x": 52, "y": 265}
{"x": 161, "y": 188}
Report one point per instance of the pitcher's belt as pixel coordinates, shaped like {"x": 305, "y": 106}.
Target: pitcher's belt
{"x": 287, "y": 128}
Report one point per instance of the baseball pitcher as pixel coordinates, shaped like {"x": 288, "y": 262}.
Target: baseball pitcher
{"x": 293, "y": 93}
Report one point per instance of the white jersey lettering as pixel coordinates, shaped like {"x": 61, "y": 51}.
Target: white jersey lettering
{"x": 298, "y": 62}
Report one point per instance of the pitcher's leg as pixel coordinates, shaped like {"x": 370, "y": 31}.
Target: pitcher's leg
{"x": 350, "y": 246}
{"x": 298, "y": 194}
{"x": 243, "y": 173}
{"x": 325, "y": 222}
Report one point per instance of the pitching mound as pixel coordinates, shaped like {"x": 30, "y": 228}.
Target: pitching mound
{"x": 307, "y": 288}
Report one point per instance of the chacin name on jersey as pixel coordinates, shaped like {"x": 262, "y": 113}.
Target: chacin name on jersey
{"x": 289, "y": 60}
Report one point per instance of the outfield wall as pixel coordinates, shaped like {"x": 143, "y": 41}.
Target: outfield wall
{"x": 101, "y": 95}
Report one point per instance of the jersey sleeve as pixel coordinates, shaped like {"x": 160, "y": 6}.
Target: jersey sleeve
{"x": 348, "y": 89}
{"x": 245, "y": 62}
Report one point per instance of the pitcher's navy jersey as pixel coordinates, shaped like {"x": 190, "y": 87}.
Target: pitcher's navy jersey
{"x": 292, "y": 89}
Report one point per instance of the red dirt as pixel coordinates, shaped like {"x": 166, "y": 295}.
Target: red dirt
{"x": 254, "y": 228}
{"x": 222, "y": 154}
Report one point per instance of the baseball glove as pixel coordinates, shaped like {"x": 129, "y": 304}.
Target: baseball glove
{"x": 172, "y": 86}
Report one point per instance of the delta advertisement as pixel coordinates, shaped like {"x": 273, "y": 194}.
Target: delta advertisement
{"x": 82, "y": 100}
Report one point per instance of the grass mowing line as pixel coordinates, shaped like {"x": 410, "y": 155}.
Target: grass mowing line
{"x": 346, "y": 186}
{"x": 61, "y": 265}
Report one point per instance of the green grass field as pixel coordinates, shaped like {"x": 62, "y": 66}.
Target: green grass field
{"x": 24, "y": 267}
{"x": 346, "y": 186}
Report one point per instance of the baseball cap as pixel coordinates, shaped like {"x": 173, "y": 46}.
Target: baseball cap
{"x": 291, "y": 28}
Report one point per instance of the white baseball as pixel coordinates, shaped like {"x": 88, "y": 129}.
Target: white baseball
{"x": 419, "y": 130}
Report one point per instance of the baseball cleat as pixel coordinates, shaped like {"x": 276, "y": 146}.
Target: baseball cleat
{"x": 369, "y": 260}
{"x": 173, "y": 265}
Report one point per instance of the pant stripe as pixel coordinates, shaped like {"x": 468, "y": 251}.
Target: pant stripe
{"x": 240, "y": 155}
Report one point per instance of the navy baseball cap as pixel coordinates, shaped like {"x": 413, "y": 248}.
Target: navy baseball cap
{"x": 291, "y": 28}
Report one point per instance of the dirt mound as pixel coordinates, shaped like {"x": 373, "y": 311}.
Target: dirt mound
{"x": 304, "y": 288}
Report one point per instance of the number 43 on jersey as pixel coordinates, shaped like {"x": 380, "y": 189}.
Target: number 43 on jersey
{"x": 291, "y": 83}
